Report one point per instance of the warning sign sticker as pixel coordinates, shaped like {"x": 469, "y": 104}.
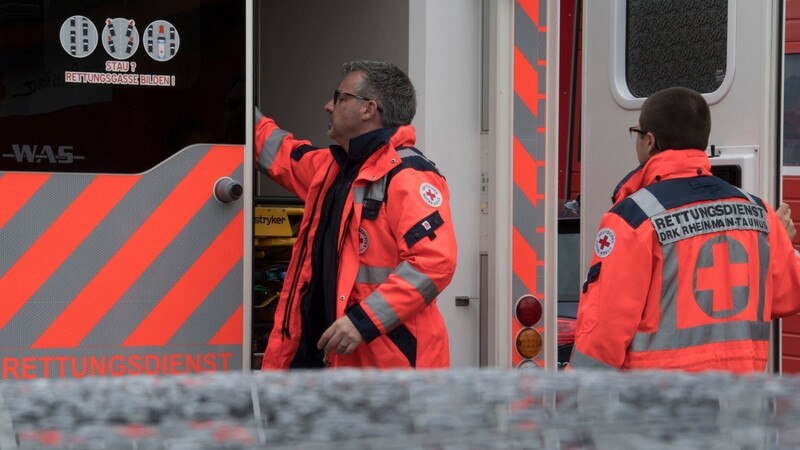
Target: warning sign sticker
{"x": 120, "y": 39}
{"x": 161, "y": 40}
{"x": 78, "y": 36}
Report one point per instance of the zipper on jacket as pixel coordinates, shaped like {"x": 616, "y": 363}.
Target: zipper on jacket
{"x": 285, "y": 333}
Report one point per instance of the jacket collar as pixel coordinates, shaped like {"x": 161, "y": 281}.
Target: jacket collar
{"x": 366, "y": 151}
{"x": 665, "y": 165}
{"x": 362, "y": 147}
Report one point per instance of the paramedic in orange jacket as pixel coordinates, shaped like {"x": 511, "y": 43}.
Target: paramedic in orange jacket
{"x": 376, "y": 244}
{"x": 687, "y": 270}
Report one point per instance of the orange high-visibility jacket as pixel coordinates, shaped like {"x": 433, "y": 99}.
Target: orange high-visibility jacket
{"x": 687, "y": 273}
{"x": 397, "y": 250}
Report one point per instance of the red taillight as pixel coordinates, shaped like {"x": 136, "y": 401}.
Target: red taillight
{"x": 528, "y": 310}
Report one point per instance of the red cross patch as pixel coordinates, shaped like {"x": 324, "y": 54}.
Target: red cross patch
{"x": 430, "y": 195}
{"x": 605, "y": 242}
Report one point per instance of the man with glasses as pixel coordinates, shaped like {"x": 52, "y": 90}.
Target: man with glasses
{"x": 688, "y": 270}
{"x": 376, "y": 243}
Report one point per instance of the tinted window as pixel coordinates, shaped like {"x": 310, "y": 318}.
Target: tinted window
{"x": 675, "y": 43}
{"x": 117, "y": 86}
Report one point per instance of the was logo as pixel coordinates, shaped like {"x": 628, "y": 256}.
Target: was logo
{"x": 47, "y": 154}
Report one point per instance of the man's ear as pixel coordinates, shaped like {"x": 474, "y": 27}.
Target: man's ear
{"x": 652, "y": 144}
{"x": 369, "y": 110}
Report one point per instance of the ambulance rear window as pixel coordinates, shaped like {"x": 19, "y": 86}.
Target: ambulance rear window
{"x": 676, "y": 43}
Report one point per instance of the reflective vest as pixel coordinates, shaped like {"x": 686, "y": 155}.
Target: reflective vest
{"x": 687, "y": 273}
{"x": 397, "y": 250}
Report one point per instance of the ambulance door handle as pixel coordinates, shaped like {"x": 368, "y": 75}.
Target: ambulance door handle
{"x": 463, "y": 300}
{"x": 227, "y": 190}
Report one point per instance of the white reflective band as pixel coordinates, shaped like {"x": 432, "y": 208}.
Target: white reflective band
{"x": 706, "y": 218}
{"x": 419, "y": 280}
{"x": 372, "y": 275}
{"x": 648, "y": 202}
{"x": 375, "y": 190}
{"x": 381, "y": 307}
{"x": 358, "y": 194}
{"x": 383, "y": 311}
{"x": 270, "y": 148}
{"x": 701, "y": 335}
{"x": 407, "y": 153}
{"x": 579, "y": 360}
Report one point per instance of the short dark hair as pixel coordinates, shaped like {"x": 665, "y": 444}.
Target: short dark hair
{"x": 389, "y": 86}
{"x": 678, "y": 117}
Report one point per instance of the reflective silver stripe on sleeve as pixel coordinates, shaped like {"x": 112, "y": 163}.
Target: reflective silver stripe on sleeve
{"x": 424, "y": 285}
{"x": 581, "y": 361}
{"x": 407, "y": 153}
{"x": 372, "y": 275}
{"x": 648, "y": 202}
{"x": 270, "y": 148}
{"x": 383, "y": 311}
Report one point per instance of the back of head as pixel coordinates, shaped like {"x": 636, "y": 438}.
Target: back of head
{"x": 678, "y": 117}
{"x": 390, "y": 87}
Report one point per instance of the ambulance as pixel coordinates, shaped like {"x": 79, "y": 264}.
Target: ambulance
{"x": 137, "y": 239}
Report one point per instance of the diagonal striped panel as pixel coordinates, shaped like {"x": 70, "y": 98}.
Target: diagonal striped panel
{"x": 525, "y": 261}
{"x": 528, "y": 91}
{"x": 190, "y": 291}
{"x": 231, "y": 332}
{"x": 101, "y": 245}
{"x": 211, "y": 315}
{"x": 15, "y": 190}
{"x": 30, "y": 271}
{"x": 535, "y": 14}
{"x": 526, "y": 174}
{"x": 133, "y": 258}
{"x": 530, "y": 44}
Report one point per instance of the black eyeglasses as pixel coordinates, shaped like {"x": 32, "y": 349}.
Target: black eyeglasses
{"x": 337, "y": 95}
{"x": 632, "y": 130}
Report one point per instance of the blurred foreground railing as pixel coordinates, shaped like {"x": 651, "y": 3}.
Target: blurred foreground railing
{"x": 403, "y": 409}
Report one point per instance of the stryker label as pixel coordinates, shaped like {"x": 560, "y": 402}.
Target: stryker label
{"x": 695, "y": 220}
{"x": 270, "y": 220}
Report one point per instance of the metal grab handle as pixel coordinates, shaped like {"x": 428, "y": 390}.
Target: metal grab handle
{"x": 227, "y": 190}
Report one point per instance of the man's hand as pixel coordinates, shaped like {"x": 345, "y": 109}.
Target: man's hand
{"x": 785, "y": 215}
{"x": 342, "y": 336}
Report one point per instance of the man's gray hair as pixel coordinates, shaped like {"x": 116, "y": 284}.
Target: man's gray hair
{"x": 389, "y": 86}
